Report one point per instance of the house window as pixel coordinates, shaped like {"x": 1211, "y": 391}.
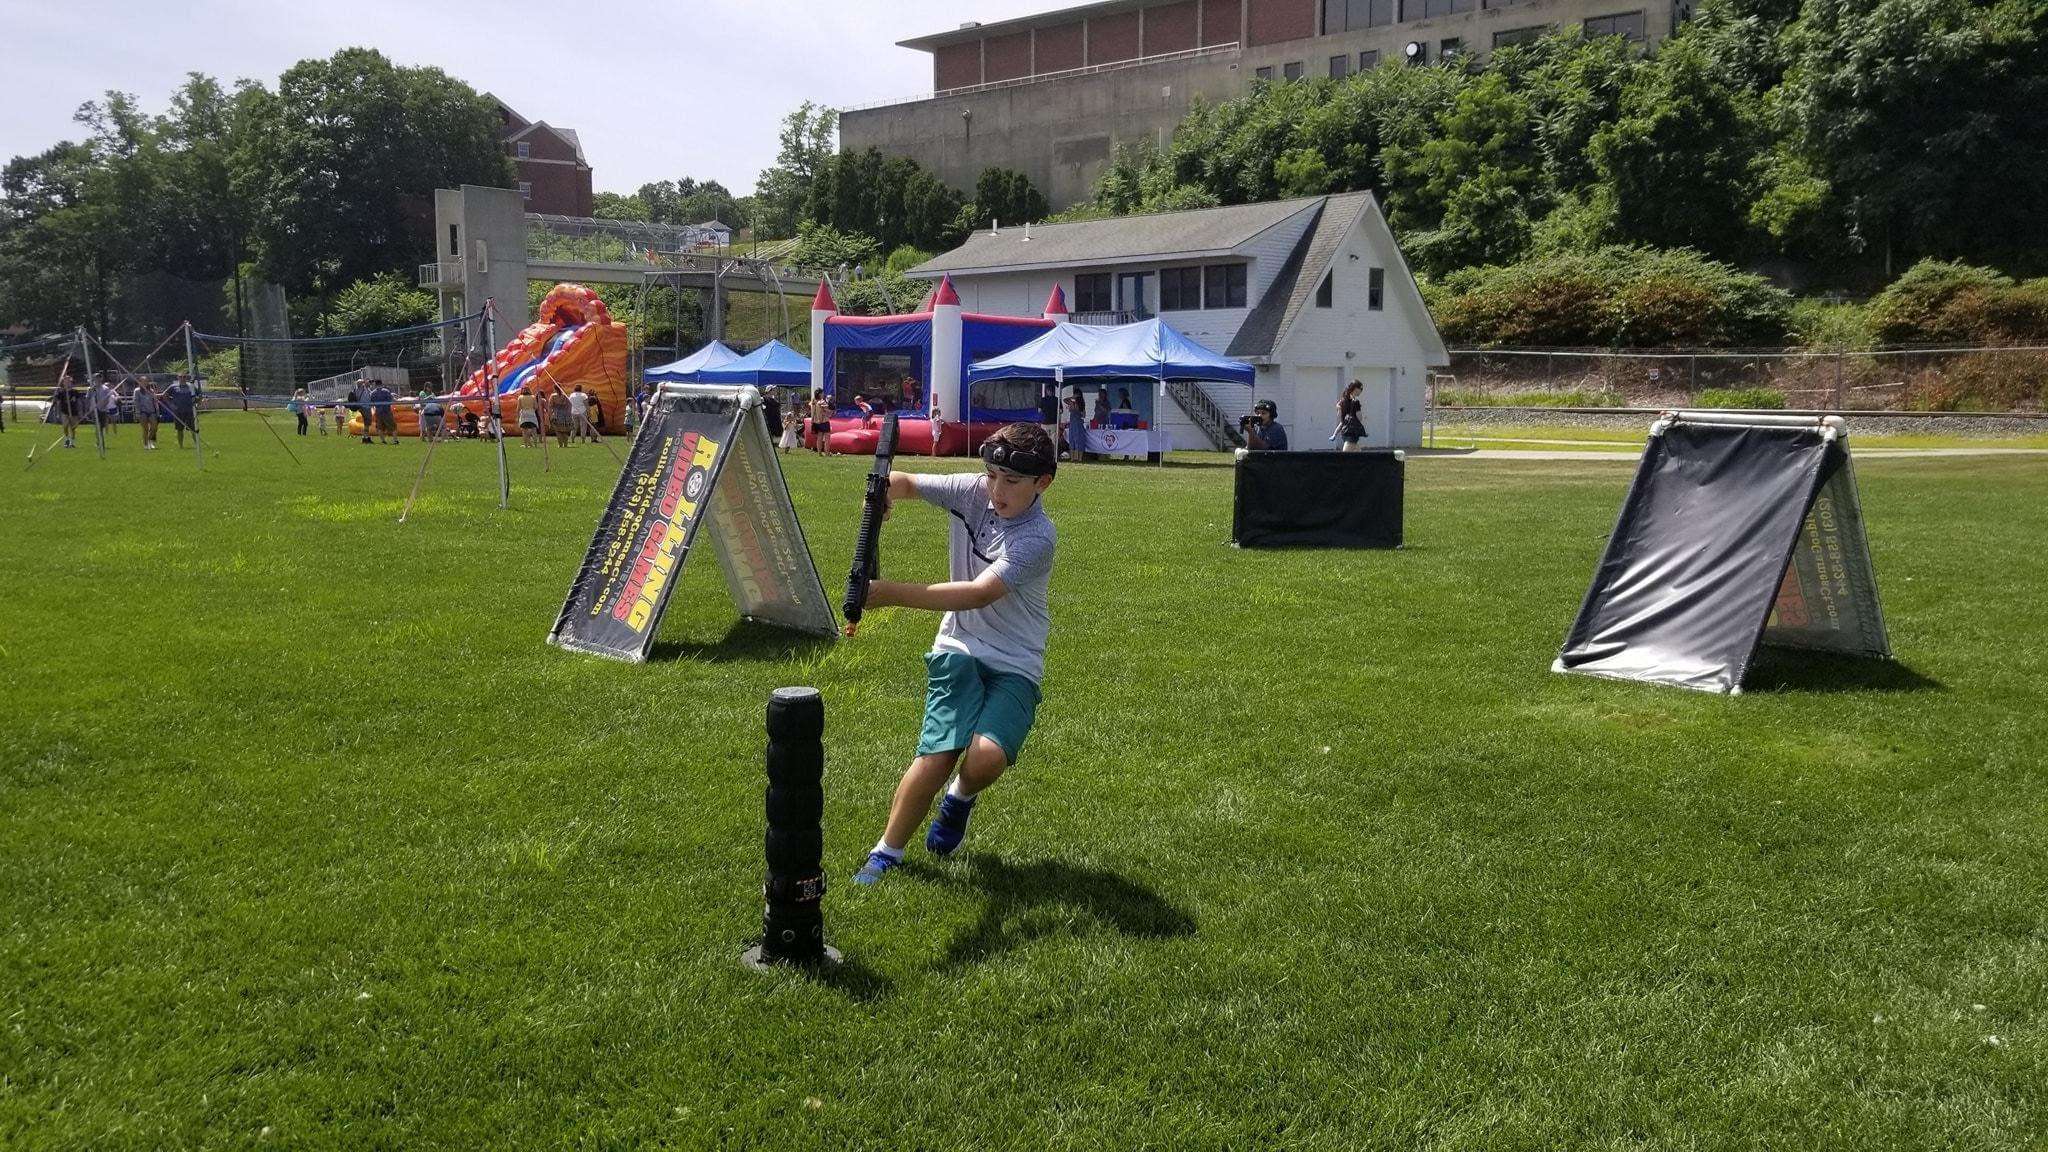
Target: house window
{"x": 1346, "y": 15}
{"x": 1424, "y": 9}
{"x": 1180, "y": 289}
{"x": 1368, "y": 60}
{"x": 525, "y": 149}
{"x": 1291, "y": 70}
{"x": 525, "y": 190}
{"x": 1265, "y": 73}
{"x": 1340, "y": 66}
{"x": 1091, "y": 293}
{"x": 1627, "y": 25}
{"x": 1376, "y": 290}
{"x": 1223, "y": 285}
{"x": 1520, "y": 35}
{"x": 1327, "y": 290}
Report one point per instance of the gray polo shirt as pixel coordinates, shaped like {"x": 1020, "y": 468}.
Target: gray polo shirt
{"x": 1008, "y": 635}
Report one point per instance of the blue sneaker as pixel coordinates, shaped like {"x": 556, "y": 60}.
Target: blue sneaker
{"x": 949, "y": 826}
{"x": 877, "y": 863}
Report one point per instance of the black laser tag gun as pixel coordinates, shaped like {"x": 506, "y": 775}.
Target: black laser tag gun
{"x": 867, "y": 551}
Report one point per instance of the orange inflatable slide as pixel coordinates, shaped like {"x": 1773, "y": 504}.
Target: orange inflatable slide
{"x": 574, "y": 341}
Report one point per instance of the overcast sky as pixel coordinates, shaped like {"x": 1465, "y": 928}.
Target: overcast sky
{"x": 656, "y": 90}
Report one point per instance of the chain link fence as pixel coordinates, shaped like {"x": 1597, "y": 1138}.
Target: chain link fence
{"x": 1985, "y": 379}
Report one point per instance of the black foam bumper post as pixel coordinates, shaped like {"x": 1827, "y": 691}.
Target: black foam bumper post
{"x": 793, "y": 924}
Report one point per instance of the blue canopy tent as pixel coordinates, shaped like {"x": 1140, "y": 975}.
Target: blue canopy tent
{"x": 772, "y": 365}
{"x": 1149, "y": 348}
{"x": 712, "y": 355}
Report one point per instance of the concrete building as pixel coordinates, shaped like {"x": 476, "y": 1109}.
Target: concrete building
{"x": 1051, "y": 95}
{"x": 554, "y": 178}
{"x": 1312, "y": 292}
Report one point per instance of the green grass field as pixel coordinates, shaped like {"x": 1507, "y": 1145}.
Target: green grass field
{"x": 308, "y": 840}
{"x": 1568, "y": 438}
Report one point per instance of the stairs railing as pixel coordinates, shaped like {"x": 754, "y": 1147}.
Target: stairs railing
{"x": 1206, "y": 414}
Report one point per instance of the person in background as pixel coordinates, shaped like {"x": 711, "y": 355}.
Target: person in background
{"x": 431, "y": 416}
{"x": 65, "y": 401}
{"x": 105, "y": 403}
{"x": 771, "y": 414}
{"x": 320, "y": 417}
{"x": 1049, "y": 412}
{"x": 596, "y": 418}
{"x": 579, "y": 414}
{"x": 1350, "y": 416}
{"x": 381, "y": 400}
{"x": 1262, "y": 430}
{"x": 792, "y": 426}
{"x": 821, "y": 424}
{"x": 1077, "y": 428}
{"x": 145, "y": 413}
{"x": 1102, "y": 405}
{"x": 560, "y": 415}
{"x": 529, "y": 417}
{"x": 183, "y": 404}
{"x": 297, "y": 407}
{"x": 938, "y": 425}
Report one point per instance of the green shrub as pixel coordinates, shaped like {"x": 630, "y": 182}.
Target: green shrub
{"x": 1615, "y": 297}
{"x": 1569, "y": 398}
{"x": 1941, "y": 302}
{"x": 1983, "y": 382}
{"x": 1740, "y": 398}
{"x": 1830, "y": 325}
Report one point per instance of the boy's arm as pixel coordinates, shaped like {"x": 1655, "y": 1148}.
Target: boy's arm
{"x": 951, "y": 596}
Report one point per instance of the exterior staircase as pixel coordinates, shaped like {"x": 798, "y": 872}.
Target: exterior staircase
{"x": 1212, "y": 420}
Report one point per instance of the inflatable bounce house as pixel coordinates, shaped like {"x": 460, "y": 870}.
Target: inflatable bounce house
{"x": 867, "y": 366}
{"x": 574, "y": 341}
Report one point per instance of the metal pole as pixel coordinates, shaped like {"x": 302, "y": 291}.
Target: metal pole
{"x": 92, "y": 398}
{"x": 492, "y": 409}
{"x": 192, "y": 382}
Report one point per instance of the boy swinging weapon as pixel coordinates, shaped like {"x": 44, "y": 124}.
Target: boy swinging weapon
{"x": 867, "y": 550}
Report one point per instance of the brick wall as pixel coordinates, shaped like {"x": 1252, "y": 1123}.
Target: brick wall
{"x": 956, "y": 65}
{"x": 1220, "y": 21}
{"x": 1006, "y": 57}
{"x": 1059, "y": 47}
{"x": 1275, "y": 20}
{"x": 1113, "y": 38}
{"x": 1170, "y": 27}
{"x": 558, "y": 189}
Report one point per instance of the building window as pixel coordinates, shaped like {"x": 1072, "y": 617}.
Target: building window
{"x": 1265, "y": 73}
{"x": 1376, "y": 290}
{"x": 1291, "y": 70}
{"x": 1180, "y": 289}
{"x": 1424, "y": 9}
{"x": 525, "y": 149}
{"x": 1223, "y": 285}
{"x": 1368, "y": 60}
{"x": 1348, "y": 15}
{"x": 1340, "y": 66}
{"x": 1091, "y": 293}
{"x": 1449, "y": 49}
{"x": 1493, "y": 5}
{"x": 525, "y": 190}
{"x": 454, "y": 242}
{"x": 1627, "y": 25}
{"x": 1327, "y": 290}
{"x": 1520, "y": 35}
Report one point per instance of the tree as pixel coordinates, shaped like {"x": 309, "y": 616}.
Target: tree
{"x": 378, "y": 304}
{"x": 1468, "y": 194}
{"x": 785, "y": 189}
{"x": 342, "y": 162}
{"x": 1009, "y": 196}
{"x": 823, "y": 246}
{"x": 1924, "y": 118}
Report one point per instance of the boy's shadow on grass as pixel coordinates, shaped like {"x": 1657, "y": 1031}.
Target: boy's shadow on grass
{"x": 1800, "y": 670}
{"x": 1044, "y": 897}
{"x": 746, "y": 640}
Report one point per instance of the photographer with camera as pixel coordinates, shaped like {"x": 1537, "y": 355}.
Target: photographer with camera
{"x": 1262, "y": 430}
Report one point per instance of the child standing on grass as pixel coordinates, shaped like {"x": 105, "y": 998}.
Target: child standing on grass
{"x": 984, "y": 668}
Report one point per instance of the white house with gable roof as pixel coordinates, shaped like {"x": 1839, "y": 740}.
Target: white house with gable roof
{"x": 1312, "y": 292}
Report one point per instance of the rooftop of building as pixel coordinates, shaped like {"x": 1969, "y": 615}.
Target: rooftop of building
{"x": 1191, "y": 233}
{"x": 975, "y": 31}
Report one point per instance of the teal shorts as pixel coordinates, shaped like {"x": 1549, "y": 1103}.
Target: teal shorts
{"x": 965, "y": 698}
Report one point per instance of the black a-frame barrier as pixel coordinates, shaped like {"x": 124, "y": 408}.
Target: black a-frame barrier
{"x": 1739, "y": 530}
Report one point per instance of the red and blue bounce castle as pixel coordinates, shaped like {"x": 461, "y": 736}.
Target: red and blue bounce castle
{"x": 866, "y": 366}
